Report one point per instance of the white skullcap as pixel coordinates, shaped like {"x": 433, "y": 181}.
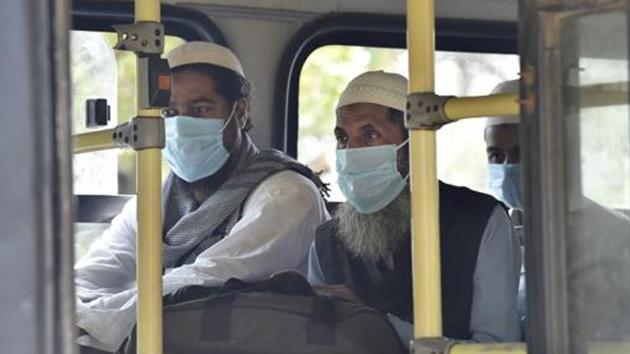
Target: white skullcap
{"x": 504, "y": 87}
{"x": 379, "y": 87}
{"x": 204, "y": 53}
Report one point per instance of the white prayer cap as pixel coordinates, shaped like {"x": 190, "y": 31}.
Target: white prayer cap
{"x": 379, "y": 87}
{"x": 504, "y": 87}
{"x": 204, "y": 53}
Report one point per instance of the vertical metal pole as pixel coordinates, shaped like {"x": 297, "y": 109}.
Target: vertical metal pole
{"x": 424, "y": 185}
{"x": 149, "y": 240}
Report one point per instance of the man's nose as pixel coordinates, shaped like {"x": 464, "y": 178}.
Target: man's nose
{"x": 354, "y": 143}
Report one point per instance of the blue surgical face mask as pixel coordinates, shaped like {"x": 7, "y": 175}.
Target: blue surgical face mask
{"x": 369, "y": 176}
{"x": 194, "y": 146}
{"x": 505, "y": 183}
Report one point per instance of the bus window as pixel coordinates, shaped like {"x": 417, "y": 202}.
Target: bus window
{"x": 100, "y": 72}
{"x": 604, "y": 135}
{"x": 94, "y": 75}
{"x": 97, "y": 71}
{"x": 597, "y": 161}
{"x": 461, "y": 148}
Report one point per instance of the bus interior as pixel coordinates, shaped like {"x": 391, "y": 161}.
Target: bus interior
{"x": 61, "y": 188}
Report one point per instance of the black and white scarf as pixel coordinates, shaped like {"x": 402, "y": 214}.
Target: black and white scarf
{"x": 190, "y": 228}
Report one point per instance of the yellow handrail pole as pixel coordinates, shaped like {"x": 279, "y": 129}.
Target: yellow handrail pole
{"x": 608, "y": 348}
{"x": 147, "y": 10}
{"x": 484, "y": 106}
{"x": 427, "y": 294}
{"x": 494, "y": 348}
{"x": 149, "y": 240}
{"x": 93, "y": 141}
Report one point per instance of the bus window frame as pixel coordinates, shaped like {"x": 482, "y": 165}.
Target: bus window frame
{"x": 385, "y": 31}
{"x": 190, "y": 25}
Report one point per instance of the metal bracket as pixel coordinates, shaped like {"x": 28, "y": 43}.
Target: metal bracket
{"x": 425, "y": 110}
{"x": 141, "y": 133}
{"x": 436, "y": 345}
{"x": 142, "y": 37}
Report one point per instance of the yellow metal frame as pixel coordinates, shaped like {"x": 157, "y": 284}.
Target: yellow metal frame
{"x": 423, "y": 179}
{"x": 94, "y": 141}
{"x": 149, "y": 240}
{"x": 149, "y": 190}
{"x": 609, "y": 348}
{"x": 482, "y": 106}
{"x": 603, "y": 95}
{"x": 494, "y": 348}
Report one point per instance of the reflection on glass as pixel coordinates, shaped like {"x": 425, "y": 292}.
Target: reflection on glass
{"x": 598, "y": 180}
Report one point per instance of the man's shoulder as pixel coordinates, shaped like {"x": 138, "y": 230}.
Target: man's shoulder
{"x": 283, "y": 162}
{"x": 326, "y": 236}
{"x": 466, "y": 210}
{"x": 458, "y": 195}
{"x": 326, "y": 231}
{"x": 289, "y": 179}
{"x": 329, "y": 246}
{"x": 291, "y": 189}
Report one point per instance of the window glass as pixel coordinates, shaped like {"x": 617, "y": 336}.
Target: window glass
{"x": 461, "y": 148}
{"x": 604, "y": 131}
{"x": 597, "y": 163}
{"x": 98, "y": 71}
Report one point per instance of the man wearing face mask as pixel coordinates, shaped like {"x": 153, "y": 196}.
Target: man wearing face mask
{"x": 504, "y": 166}
{"x": 502, "y": 147}
{"x": 598, "y": 238}
{"x": 364, "y": 252}
{"x": 229, "y": 209}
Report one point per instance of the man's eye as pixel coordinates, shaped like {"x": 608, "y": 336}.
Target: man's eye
{"x": 496, "y": 157}
{"x": 200, "y": 111}
{"x": 372, "y": 135}
{"x": 341, "y": 139}
{"x": 168, "y": 112}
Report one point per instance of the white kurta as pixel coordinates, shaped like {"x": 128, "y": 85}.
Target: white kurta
{"x": 274, "y": 233}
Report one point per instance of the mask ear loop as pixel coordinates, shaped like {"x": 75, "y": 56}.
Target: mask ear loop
{"x": 406, "y": 178}
{"x": 232, "y": 114}
{"x": 402, "y": 144}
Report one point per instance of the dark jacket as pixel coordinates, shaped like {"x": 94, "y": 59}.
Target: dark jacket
{"x": 463, "y": 218}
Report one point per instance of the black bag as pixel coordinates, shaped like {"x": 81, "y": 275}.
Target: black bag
{"x": 279, "y": 315}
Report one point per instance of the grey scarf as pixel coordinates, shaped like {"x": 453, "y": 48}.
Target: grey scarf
{"x": 190, "y": 228}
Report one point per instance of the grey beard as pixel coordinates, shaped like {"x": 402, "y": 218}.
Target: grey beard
{"x": 375, "y": 235}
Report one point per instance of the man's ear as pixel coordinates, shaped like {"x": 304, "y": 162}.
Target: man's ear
{"x": 241, "y": 112}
